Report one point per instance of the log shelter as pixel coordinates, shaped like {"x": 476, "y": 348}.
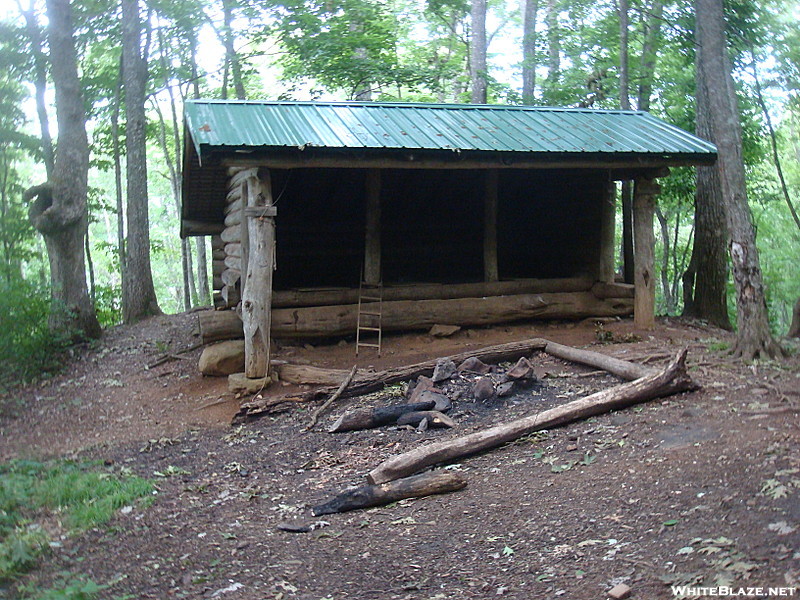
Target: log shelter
{"x": 466, "y": 214}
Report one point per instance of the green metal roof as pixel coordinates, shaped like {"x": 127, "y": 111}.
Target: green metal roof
{"x": 217, "y": 125}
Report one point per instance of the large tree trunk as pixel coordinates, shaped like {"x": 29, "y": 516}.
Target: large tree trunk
{"x": 60, "y": 212}
{"x": 706, "y": 279}
{"x": 530, "y": 12}
{"x": 231, "y": 58}
{"x": 753, "y": 334}
{"x": 477, "y": 47}
{"x": 139, "y": 292}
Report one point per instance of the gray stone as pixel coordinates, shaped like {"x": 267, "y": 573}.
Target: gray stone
{"x": 483, "y": 389}
{"x": 239, "y": 383}
{"x": 475, "y": 365}
{"x": 441, "y": 402}
{"x": 444, "y": 370}
{"x": 505, "y": 389}
{"x": 444, "y": 330}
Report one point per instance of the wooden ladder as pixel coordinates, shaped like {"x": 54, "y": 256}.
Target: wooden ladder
{"x": 370, "y": 309}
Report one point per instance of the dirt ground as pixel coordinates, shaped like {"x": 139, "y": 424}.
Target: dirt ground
{"x": 699, "y": 488}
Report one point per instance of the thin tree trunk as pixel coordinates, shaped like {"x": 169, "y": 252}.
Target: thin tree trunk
{"x": 115, "y": 150}
{"x": 90, "y": 265}
{"x": 754, "y": 339}
{"x": 203, "y": 289}
{"x": 624, "y": 87}
{"x": 231, "y": 57}
{"x": 665, "y": 250}
{"x": 477, "y": 63}
{"x": 139, "y": 289}
{"x": 794, "y": 328}
{"x": 647, "y": 63}
{"x": 530, "y": 13}
{"x": 553, "y": 52}
{"x": 60, "y": 212}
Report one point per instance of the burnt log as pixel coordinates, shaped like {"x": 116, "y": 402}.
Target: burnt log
{"x": 369, "y": 418}
{"x": 418, "y": 486}
{"x": 434, "y": 417}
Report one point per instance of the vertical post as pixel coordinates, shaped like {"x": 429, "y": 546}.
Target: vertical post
{"x": 260, "y": 214}
{"x": 608, "y": 215}
{"x": 372, "y": 243}
{"x": 490, "y": 271}
{"x": 244, "y": 238}
{"x": 645, "y": 191}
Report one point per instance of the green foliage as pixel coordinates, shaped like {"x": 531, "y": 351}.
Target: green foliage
{"x": 69, "y": 588}
{"x": 27, "y": 347}
{"x": 78, "y": 495}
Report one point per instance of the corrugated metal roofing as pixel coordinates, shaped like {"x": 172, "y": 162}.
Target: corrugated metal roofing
{"x": 454, "y": 127}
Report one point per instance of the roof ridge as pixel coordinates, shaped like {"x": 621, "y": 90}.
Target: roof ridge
{"x": 424, "y": 105}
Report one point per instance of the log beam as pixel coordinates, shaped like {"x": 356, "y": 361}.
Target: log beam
{"x": 372, "y": 242}
{"x": 644, "y": 194}
{"x": 490, "y": 270}
{"x": 608, "y": 250}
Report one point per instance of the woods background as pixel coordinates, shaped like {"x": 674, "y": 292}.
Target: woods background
{"x": 622, "y": 54}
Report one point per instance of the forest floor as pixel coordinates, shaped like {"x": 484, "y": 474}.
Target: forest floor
{"x": 699, "y": 488}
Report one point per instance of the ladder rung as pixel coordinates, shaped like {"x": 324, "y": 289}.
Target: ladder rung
{"x": 369, "y": 345}
{"x": 371, "y": 314}
{"x": 362, "y": 328}
{"x": 371, "y": 298}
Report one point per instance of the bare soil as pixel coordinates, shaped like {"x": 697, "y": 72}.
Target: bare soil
{"x": 701, "y": 487}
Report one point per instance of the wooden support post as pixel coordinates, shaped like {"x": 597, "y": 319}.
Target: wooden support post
{"x": 244, "y": 249}
{"x": 645, "y": 191}
{"x": 372, "y": 249}
{"x": 490, "y": 270}
{"x": 608, "y": 215}
{"x": 257, "y": 292}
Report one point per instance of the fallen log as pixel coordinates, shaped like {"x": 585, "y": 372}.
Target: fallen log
{"x": 615, "y": 366}
{"x": 425, "y": 484}
{"x": 369, "y": 418}
{"x": 375, "y": 381}
{"x": 671, "y": 380}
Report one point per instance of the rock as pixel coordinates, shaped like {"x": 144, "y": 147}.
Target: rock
{"x": 441, "y": 402}
{"x": 619, "y": 591}
{"x": 293, "y": 527}
{"x": 238, "y": 383}
{"x": 505, "y": 389}
{"x": 483, "y": 389}
{"x": 444, "y": 370}
{"x": 224, "y": 358}
{"x": 522, "y": 370}
{"x": 572, "y": 447}
{"x": 444, "y": 330}
{"x": 475, "y": 365}
{"x": 415, "y": 390}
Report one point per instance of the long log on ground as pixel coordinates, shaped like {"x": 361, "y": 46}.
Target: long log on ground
{"x": 621, "y": 368}
{"x": 410, "y": 315}
{"x": 425, "y": 484}
{"x": 671, "y": 380}
{"x": 369, "y": 418}
{"x": 370, "y": 382}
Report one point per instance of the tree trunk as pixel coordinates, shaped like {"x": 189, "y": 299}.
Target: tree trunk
{"x": 794, "y": 328}
{"x": 706, "y": 279}
{"x": 119, "y": 202}
{"x": 530, "y": 12}
{"x": 203, "y": 289}
{"x": 647, "y": 63}
{"x": 553, "y": 53}
{"x": 671, "y": 380}
{"x": 139, "y": 291}
{"x": 754, "y": 339}
{"x": 60, "y": 212}
{"x": 624, "y": 87}
{"x": 669, "y": 301}
{"x": 477, "y": 60}
{"x": 231, "y": 58}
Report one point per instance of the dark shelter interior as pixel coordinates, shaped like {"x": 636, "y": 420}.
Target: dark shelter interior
{"x": 432, "y": 225}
